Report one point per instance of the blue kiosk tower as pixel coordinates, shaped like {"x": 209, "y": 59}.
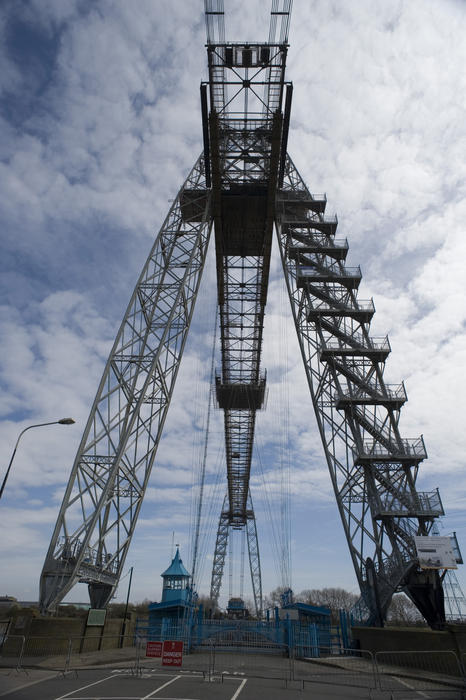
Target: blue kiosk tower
{"x": 177, "y": 596}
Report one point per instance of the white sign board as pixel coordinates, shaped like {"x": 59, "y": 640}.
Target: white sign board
{"x": 435, "y": 553}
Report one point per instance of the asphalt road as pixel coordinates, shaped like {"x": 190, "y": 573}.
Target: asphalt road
{"x": 116, "y": 684}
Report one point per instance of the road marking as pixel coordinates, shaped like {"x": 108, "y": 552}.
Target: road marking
{"x": 243, "y": 683}
{"x": 411, "y": 687}
{"x": 26, "y": 685}
{"x": 72, "y": 692}
{"x": 161, "y": 688}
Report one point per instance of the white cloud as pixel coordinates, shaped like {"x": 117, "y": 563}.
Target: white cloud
{"x": 88, "y": 163}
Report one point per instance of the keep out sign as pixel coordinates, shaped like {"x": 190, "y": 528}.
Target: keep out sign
{"x": 172, "y": 653}
{"x": 154, "y": 649}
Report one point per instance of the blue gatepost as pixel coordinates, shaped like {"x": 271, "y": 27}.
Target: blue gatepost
{"x": 164, "y": 628}
{"x": 289, "y": 634}
{"x": 277, "y": 627}
{"x": 200, "y": 624}
{"x": 345, "y": 629}
{"x": 314, "y": 640}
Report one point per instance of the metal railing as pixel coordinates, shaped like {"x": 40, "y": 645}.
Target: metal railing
{"x": 301, "y": 195}
{"x": 329, "y": 273}
{"x": 363, "y": 307}
{"x": 309, "y": 221}
{"x": 409, "y": 448}
{"x": 392, "y": 393}
{"x": 376, "y": 343}
{"x": 427, "y": 503}
{"x": 315, "y": 244}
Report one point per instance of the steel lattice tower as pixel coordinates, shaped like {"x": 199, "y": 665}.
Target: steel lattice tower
{"x": 243, "y": 184}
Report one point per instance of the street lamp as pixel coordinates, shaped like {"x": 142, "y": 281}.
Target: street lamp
{"x": 62, "y": 421}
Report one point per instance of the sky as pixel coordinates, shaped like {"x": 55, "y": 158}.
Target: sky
{"x": 100, "y": 125}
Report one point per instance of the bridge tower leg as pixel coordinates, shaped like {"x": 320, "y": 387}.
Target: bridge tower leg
{"x": 221, "y": 545}
{"x": 372, "y": 467}
{"x": 117, "y": 451}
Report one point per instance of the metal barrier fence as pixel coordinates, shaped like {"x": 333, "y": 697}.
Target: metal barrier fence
{"x": 45, "y": 652}
{"x": 393, "y": 672}
{"x": 399, "y": 671}
{"x": 220, "y": 659}
{"x": 11, "y": 651}
{"x": 194, "y": 662}
{"x": 347, "y": 668}
{"x": 64, "y": 654}
{"x": 95, "y": 652}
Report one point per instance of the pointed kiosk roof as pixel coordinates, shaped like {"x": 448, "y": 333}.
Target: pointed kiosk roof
{"x": 176, "y": 568}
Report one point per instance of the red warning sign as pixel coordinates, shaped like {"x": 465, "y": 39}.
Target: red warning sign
{"x": 172, "y": 654}
{"x": 154, "y": 649}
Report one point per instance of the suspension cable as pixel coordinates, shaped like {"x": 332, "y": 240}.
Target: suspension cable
{"x": 204, "y": 459}
{"x": 284, "y": 13}
{"x": 241, "y": 582}
{"x": 214, "y": 21}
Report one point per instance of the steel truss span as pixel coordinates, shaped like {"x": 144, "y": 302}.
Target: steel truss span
{"x": 243, "y": 184}
{"x": 242, "y": 127}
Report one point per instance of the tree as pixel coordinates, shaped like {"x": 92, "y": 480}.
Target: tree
{"x": 273, "y": 599}
{"x": 402, "y": 611}
{"x": 250, "y": 607}
{"x": 333, "y": 598}
{"x": 142, "y": 607}
{"x": 211, "y": 610}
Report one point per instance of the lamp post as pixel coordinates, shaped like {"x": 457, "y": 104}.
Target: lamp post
{"x": 62, "y": 421}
